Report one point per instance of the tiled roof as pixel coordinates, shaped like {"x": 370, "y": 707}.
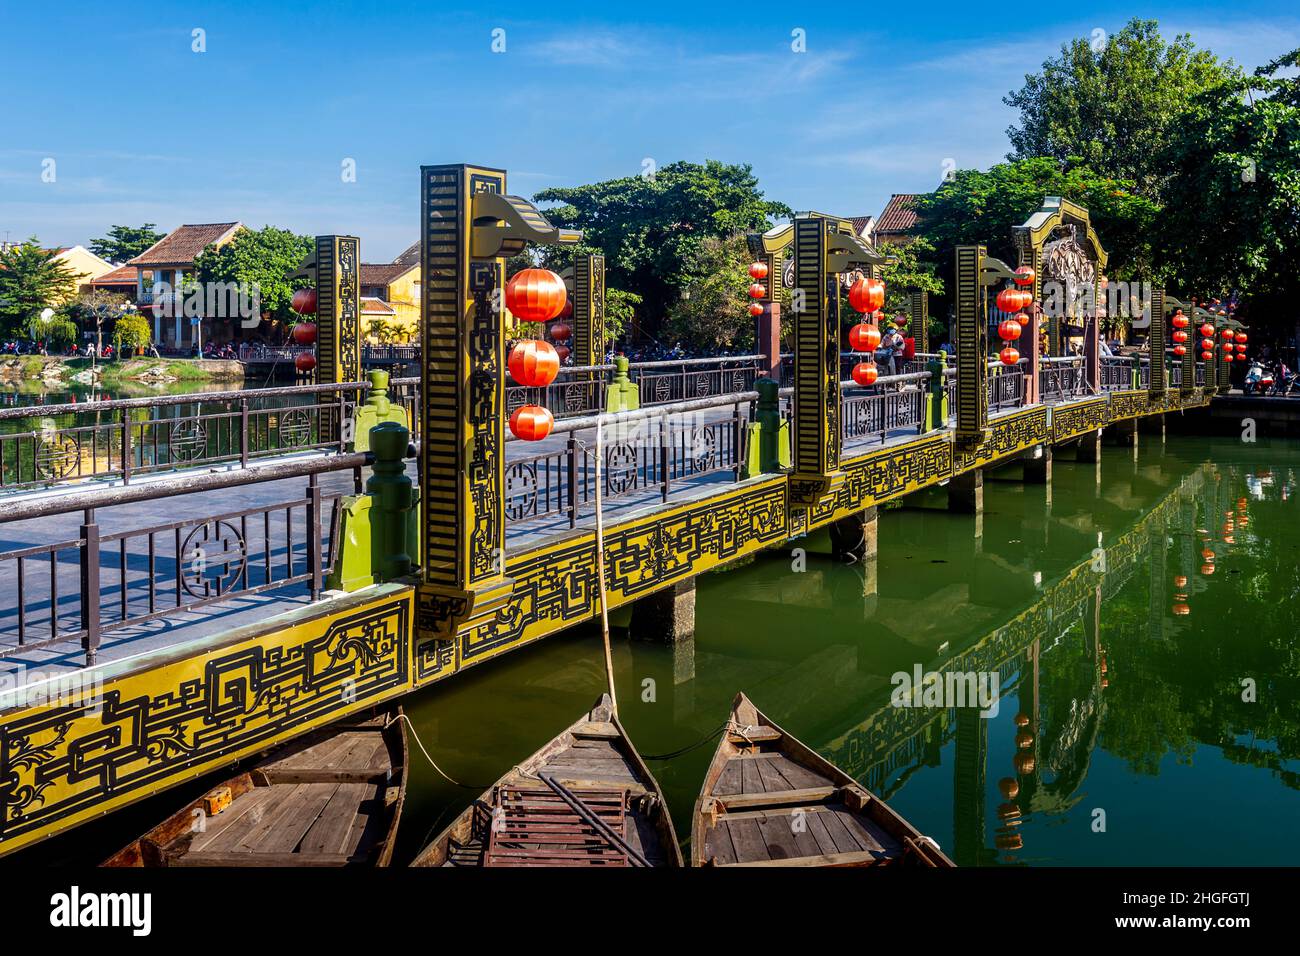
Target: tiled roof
{"x": 898, "y": 216}
{"x": 861, "y": 224}
{"x": 382, "y": 273}
{"x": 122, "y": 275}
{"x": 183, "y": 245}
{"x": 373, "y": 306}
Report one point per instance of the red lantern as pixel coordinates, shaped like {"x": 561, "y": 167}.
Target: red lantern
{"x": 567, "y": 310}
{"x": 755, "y": 309}
{"x": 1009, "y": 356}
{"x": 1207, "y": 330}
{"x": 1008, "y": 329}
{"x": 757, "y": 290}
{"x": 1024, "y": 276}
{"x": 534, "y": 363}
{"x": 758, "y": 270}
{"x": 1182, "y": 610}
{"x": 864, "y": 337}
{"x": 1179, "y": 320}
{"x": 1241, "y": 337}
{"x": 1180, "y": 350}
{"x": 1241, "y": 348}
{"x": 1226, "y": 335}
{"x": 1227, "y": 357}
{"x": 304, "y": 302}
{"x": 1180, "y": 336}
{"x": 867, "y": 295}
{"x": 563, "y": 352}
{"x": 531, "y": 422}
{"x": 1207, "y": 356}
{"x": 1180, "y": 581}
{"x": 305, "y": 362}
{"x": 304, "y": 333}
{"x": 1010, "y": 300}
{"x": 561, "y": 332}
{"x": 1207, "y": 343}
{"x": 865, "y": 373}
{"x": 535, "y": 295}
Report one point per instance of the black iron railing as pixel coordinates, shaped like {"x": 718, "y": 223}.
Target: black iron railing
{"x": 1116, "y": 372}
{"x": 78, "y": 590}
{"x": 1006, "y": 386}
{"x": 895, "y": 403}
{"x": 1062, "y": 379}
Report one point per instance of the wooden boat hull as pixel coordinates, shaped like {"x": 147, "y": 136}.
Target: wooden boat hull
{"x": 521, "y": 820}
{"x": 332, "y": 798}
{"x": 769, "y": 800}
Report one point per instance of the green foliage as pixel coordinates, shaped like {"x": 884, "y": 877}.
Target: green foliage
{"x": 1230, "y": 222}
{"x": 712, "y": 310}
{"x": 132, "y": 331}
{"x": 911, "y": 268}
{"x": 983, "y": 206}
{"x": 650, "y": 229}
{"x": 125, "y": 242}
{"x": 1113, "y": 106}
{"x": 620, "y": 309}
{"x": 58, "y": 334}
{"x": 262, "y": 258}
{"x": 30, "y": 279}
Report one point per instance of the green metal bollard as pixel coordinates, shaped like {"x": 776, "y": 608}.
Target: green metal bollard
{"x": 936, "y": 409}
{"x": 392, "y": 496}
{"x": 622, "y": 394}
{"x": 769, "y": 448}
{"x": 376, "y": 409}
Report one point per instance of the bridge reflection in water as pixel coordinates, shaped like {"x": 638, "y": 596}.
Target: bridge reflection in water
{"x": 1120, "y": 664}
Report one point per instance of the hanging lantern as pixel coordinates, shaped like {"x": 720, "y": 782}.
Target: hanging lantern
{"x": 1180, "y": 581}
{"x": 563, "y": 352}
{"x": 535, "y": 295}
{"x": 758, "y": 270}
{"x": 304, "y": 333}
{"x": 757, "y": 290}
{"x": 567, "y": 311}
{"x": 755, "y": 309}
{"x": 1180, "y": 336}
{"x": 1023, "y": 276}
{"x": 1010, "y": 787}
{"x": 1241, "y": 348}
{"x": 1207, "y": 330}
{"x": 1009, "y": 356}
{"x": 1182, "y": 610}
{"x": 865, "y": 373}
{"x": 1008, "y": 329}
{"x": 531, "y": 422}
{"x": 560, "y": 332}
{"x": 864, "y": 337}
{"x": 1011, "y": 300}
{"x": 1241, "y": 337}
{"x": 1022, "y": 720}
{"x": 1025, "y": 763}
{"x": 304, "y": 302}
{"x": 1180, "y": 350}
{"x": 305, "y": 362}
{"x": 1226, "y": 335}
{"x": 1207, "y": 343}
{"x": 1207, "y": 569}
{"x": 1179, "y": 320}
{"x": 1227, "y": 357}
{"x": 867, "y": 295}
{"x": 534, "y": 363}
{"x": 1207, "y": 356}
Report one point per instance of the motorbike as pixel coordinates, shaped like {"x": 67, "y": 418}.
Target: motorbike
{"x": 1253, "y": 379}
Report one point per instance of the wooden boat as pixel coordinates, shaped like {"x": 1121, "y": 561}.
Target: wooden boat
{"x": 333, "y": 798}
{"x": 586, "y": 798}
{"x": 768, "y": 800}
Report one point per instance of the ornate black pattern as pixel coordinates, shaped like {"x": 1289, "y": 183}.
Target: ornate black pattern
{"x": 57, "y": 456}
{"x": 187, "y": 439}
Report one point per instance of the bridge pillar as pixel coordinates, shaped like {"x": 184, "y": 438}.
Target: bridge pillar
{"x": 1152, "y": 425}
{"x": 338, "y": 309}
{"x": 969, "y": 335}
{"x": 588, "y": 310}
{"x": 966, "y": 492}
{"x": 1125, "y": 433}
{"x": 1038, "y": 465}
{"x": 667, "y": 616}
{"x": 918, "y": 319}
{"x": 1092, "y": 353}
{"x": 1156, "y": 344}
{"x": 1089, "y": 448}
{"x": 855, "y": 538}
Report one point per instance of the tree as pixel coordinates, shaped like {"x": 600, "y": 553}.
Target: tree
{"x": 92, "y": 309}
{"x": 125, "y": 242}
{"x": 911, "y": 268}
{"x": 263, "y": 259}
{"x": 1231, "y": 223}
{"x": 132, "y": 331}
{"x": 30, "y": 279}
{"x": 1113, "y": 102}
{"x": 649, "y": 228}
{"x": 982, "y": 207}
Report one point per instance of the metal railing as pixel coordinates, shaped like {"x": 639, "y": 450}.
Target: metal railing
{"x": 1062, "y": 379}
{"x": 1006, "y": 386}
{"x": 390, "y": 354}
{"x": 78, "y": 590}
{"x": 258, "y": 354}
{"x": 894, "y": 403}
{"x": 1116, "y": 372}
{"x": 50, "y": 445}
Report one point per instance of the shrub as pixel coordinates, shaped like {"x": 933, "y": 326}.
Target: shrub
{"x": 132, "y": 331}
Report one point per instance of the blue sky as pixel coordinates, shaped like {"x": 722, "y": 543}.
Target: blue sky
{"x": 257, "y": 128}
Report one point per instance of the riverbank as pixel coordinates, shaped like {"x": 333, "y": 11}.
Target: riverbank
{"x": 57, "y": 370}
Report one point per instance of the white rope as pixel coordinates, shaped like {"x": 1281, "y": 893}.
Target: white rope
{"x": 600, "y": 566}
{"x": 419, "y": 743}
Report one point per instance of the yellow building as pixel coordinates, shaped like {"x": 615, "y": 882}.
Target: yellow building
{"x": 390, "y": 295}
{"x": 82, "y": 263}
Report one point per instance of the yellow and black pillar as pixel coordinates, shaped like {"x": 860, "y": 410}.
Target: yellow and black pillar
{"x": 918, "y": 318}
{"x": 338, "y": 309}
{"x": 588, "y": 310}
{"x": 969, "y": 337}
{"x": 1156, "y": 343}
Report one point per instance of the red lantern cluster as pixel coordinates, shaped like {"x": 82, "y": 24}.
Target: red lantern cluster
{"x": 535, "y": 295}
{"x": 1180, "y": 321}
{"x": 867, "y": 296}
{"x": 1241, "y": 338}
{"x": 758, "y": 270}
{"x": 304, "y": 362}
{"x": 757, "y": 290}
{"x": 304, "y": 333}
{"x": 755, "y": 309}
{"x": 1180, "y": 350}
{"x": 1226, "y": 335}
{"x": 534, "y": 363}
{"x": 1009, "y": 356}
{"x": 561, "y": 332}
{"x": 1180, "y": 336}
{"x": 531, "y": 422}
{"x": 1207, "y": 330}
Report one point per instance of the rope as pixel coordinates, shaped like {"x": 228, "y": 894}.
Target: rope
{"x": 671, "y": 754}
{"x": 600, "y": 568}
{"x": 419, "y": 743}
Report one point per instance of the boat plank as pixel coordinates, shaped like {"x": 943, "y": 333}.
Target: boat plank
{"x": 779, "y": 836}
{"x": 817, "y": 827}
{"x": 747, "y": 839}
{"x": 299, "y": 814}
{"x": 729, "y": 780}
{"x": 331, "y": 830}
{"x": 845, "y": 839}
{"x": 213, "y": 827}
{"x": 773, "y": 779}
{"x": 750, "y": 781}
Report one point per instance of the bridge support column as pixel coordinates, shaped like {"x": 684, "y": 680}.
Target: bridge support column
{"x": 966, "y": 492}
{"x": 667, "y": 616}
{"x": 1038, "y": 465}
{"x": 1153, "y": 425}
{"x": 1125, "y": 433}
{"x": 1089, "y": 449}
{"x": 854, "y": 539}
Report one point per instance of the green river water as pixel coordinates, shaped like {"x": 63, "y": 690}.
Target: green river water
{"x": 1128, "y": 668}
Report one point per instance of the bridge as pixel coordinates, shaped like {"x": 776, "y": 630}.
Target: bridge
{"x": 190, "y": 580}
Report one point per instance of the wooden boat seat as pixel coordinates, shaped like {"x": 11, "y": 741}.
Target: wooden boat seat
{"x": 535, "y": 827}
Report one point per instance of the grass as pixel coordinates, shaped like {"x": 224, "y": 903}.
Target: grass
{"x": 111, "y": 373}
